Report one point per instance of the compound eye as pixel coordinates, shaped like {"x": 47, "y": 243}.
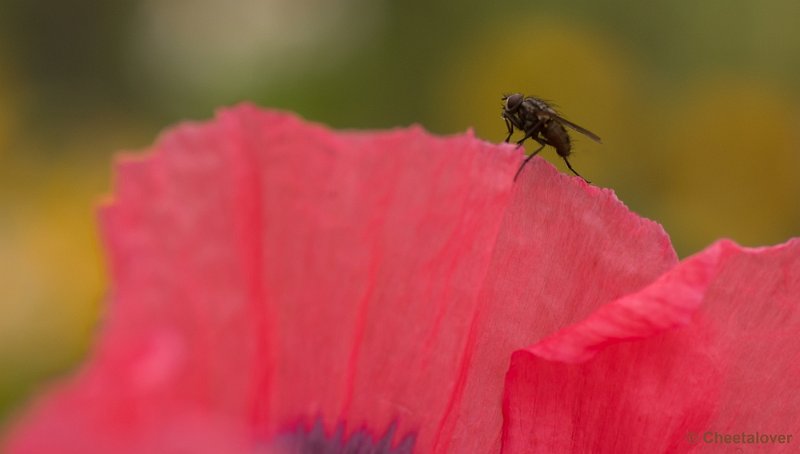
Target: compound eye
{"x": 513, "y": 101}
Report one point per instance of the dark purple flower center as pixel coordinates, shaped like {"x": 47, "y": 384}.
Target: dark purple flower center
{"x": 314, "y": 440}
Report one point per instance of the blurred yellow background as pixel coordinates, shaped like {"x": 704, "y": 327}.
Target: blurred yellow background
{"x": 696, "y": 102}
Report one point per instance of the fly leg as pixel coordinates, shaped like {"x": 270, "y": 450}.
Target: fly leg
{"x": 541, "y": 142}
{"x": 531, "y": 132}
{"x": 510, "y": 128}
{"x": 564, "y": 157}
{"x": 573, "y": 170}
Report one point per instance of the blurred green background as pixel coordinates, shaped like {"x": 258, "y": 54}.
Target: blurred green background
{"x": 697, "y": 104}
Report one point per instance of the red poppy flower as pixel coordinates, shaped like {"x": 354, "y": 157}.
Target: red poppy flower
{"x": 281, "y": 287}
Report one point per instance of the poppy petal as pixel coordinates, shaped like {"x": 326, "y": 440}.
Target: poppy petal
{"x": 274, "y": 280}
{"x": 564, "y": 249}
{"x": 297, "y": 274}
{"x": 693, "y": 356}
{"x": 375, "y": 251}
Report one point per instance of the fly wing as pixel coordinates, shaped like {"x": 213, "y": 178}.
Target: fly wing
{"x": 580, "y": 129}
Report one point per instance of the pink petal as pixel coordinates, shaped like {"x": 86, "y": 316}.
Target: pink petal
{"x": 269, "y": 274}
{"x": 708, "y": 348}
{"x": 375, "y": 249}
{"x": 296, "y": 273}
{"x": 564, "y": 249}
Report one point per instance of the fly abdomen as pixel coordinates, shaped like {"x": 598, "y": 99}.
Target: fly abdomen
{"x": 557, "y": 136}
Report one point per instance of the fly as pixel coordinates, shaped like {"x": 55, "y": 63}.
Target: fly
{"x": 539, "y": 121}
